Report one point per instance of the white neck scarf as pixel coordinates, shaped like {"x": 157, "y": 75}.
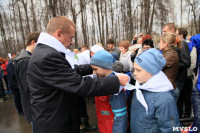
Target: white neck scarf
{"x": 51, "y": 41}
{"x": 158, "y": 83}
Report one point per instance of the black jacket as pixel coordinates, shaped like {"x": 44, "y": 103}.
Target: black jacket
{"x": 21, "y": 64}
{"x": 12, "y": 81}
{"x": 55, "y": 88}
{"x": 184, "y": 61}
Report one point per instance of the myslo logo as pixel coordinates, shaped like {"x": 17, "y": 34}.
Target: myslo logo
{"x": 184, "y": 129}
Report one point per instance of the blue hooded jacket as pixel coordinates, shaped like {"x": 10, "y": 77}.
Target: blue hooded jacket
{"x": 196, "y": 91}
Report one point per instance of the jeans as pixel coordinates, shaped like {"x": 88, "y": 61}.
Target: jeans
{"x": 175, "y": 94}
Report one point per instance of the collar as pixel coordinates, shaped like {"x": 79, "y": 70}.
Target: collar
{"x": 29, "y": 52}
{"x": 158, "y": 83}
{"x": 51, "y": 41}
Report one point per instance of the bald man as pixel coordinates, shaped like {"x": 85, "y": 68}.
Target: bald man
{"x": 55, "y": 83}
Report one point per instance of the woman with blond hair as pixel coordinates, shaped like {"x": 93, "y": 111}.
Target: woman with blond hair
{"x": 168, "y": 45}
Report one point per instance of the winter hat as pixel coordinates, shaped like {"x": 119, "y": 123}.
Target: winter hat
{"x": 151, "y": 60}
{"x": 96, "y": 48}
{"x": 102, "y": 59}
{"x": 117, "y": 67}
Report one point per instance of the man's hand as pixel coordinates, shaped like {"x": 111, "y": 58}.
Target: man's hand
{"x": 123, "y": 79}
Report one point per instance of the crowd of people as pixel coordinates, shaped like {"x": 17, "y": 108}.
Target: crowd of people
{"x": 137, "y": 88}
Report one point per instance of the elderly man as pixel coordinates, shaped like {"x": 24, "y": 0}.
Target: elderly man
{"x": 55, "y": 83}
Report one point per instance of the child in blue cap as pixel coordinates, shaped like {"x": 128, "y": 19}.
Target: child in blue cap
{"x": 153, "y": 107}
{"x": 111, "y": 109}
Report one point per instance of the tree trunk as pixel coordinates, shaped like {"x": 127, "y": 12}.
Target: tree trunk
{"x": 28, "y": 30}
{"x": 112, "y": 16}
{"x": 152, "y": 18}
{"x": 15, "y": 25}
{"x": 98, "y": 16}
{"x": 102, "y": 23}
{"x": 194, "y": 15}
{"x": 3, "y": 34}
{"x": 52, "y": 6}
{"x": 141, "y": 18}
{"x": 34, "y": 17}
{"x": 130, "y": 20}
{"x": 21, "y": 26}
{"x": 181, "y": 11}
{"x": 73, "y": 10}
{"x": 82, "y": 2}
{"x": 106, "y": 16}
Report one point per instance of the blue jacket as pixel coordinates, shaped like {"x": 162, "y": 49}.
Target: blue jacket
{"x": 119, "y": 108}
{"x": 196, "y": 106}
{"x": 162, "y": 113}
{"x": 196, "y": 91}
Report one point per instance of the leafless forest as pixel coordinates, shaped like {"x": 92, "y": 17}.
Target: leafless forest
{"x": 96, "y": 20}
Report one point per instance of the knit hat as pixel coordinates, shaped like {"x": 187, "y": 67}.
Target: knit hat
{"x": 151, "y": 60}
{"x": 96, "y": 48}
{"x": 102, "y": 59}
{"x": 118, "y": 67}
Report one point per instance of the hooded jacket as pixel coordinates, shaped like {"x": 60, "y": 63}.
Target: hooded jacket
{"x": 21, "y": 64}
{"x": 196, "y": 91}
{"x": 162, "y": 113}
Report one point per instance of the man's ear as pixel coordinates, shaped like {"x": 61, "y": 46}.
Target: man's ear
{"x": 173, "y": 30}
{"x": 32, "y": 42}
{"x": 57, "y": 34}
{"x": 166, "y": 44}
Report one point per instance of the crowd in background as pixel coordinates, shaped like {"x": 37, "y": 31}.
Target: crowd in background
{"x": 181, "y": 68}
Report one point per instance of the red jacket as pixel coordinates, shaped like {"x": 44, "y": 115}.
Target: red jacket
{"x": 3, "y": 66}
{"x": 104, "y": 113}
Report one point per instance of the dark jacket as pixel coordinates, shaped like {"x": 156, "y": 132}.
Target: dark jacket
{"x": 172, "y": 65}
{"x": 55, "y": 88}
{"x": 1, "y": 73}
{"x": 12, "y": 81}
{"x": 184, "y": 61}
{"x": 196, "y": 106}
{"x": 21, "y": 64}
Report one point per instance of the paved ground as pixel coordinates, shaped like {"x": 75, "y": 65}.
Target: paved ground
{"x": 11, "y": 122}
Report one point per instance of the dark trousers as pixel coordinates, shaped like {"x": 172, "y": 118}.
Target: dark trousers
{"x": 185, "y": 97}
{"x": 2, "y": 91}
{"x": 83, "y": 109}
{"x": 17, "y": 100}
{"x": 179, "y": 102}
{"x": 6, "y": 81}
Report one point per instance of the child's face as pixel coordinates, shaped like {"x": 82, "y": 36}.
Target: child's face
{"x": 140, "y": 74}
{"x": 100, "y": 72}
{"x": 122, "y": 49}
